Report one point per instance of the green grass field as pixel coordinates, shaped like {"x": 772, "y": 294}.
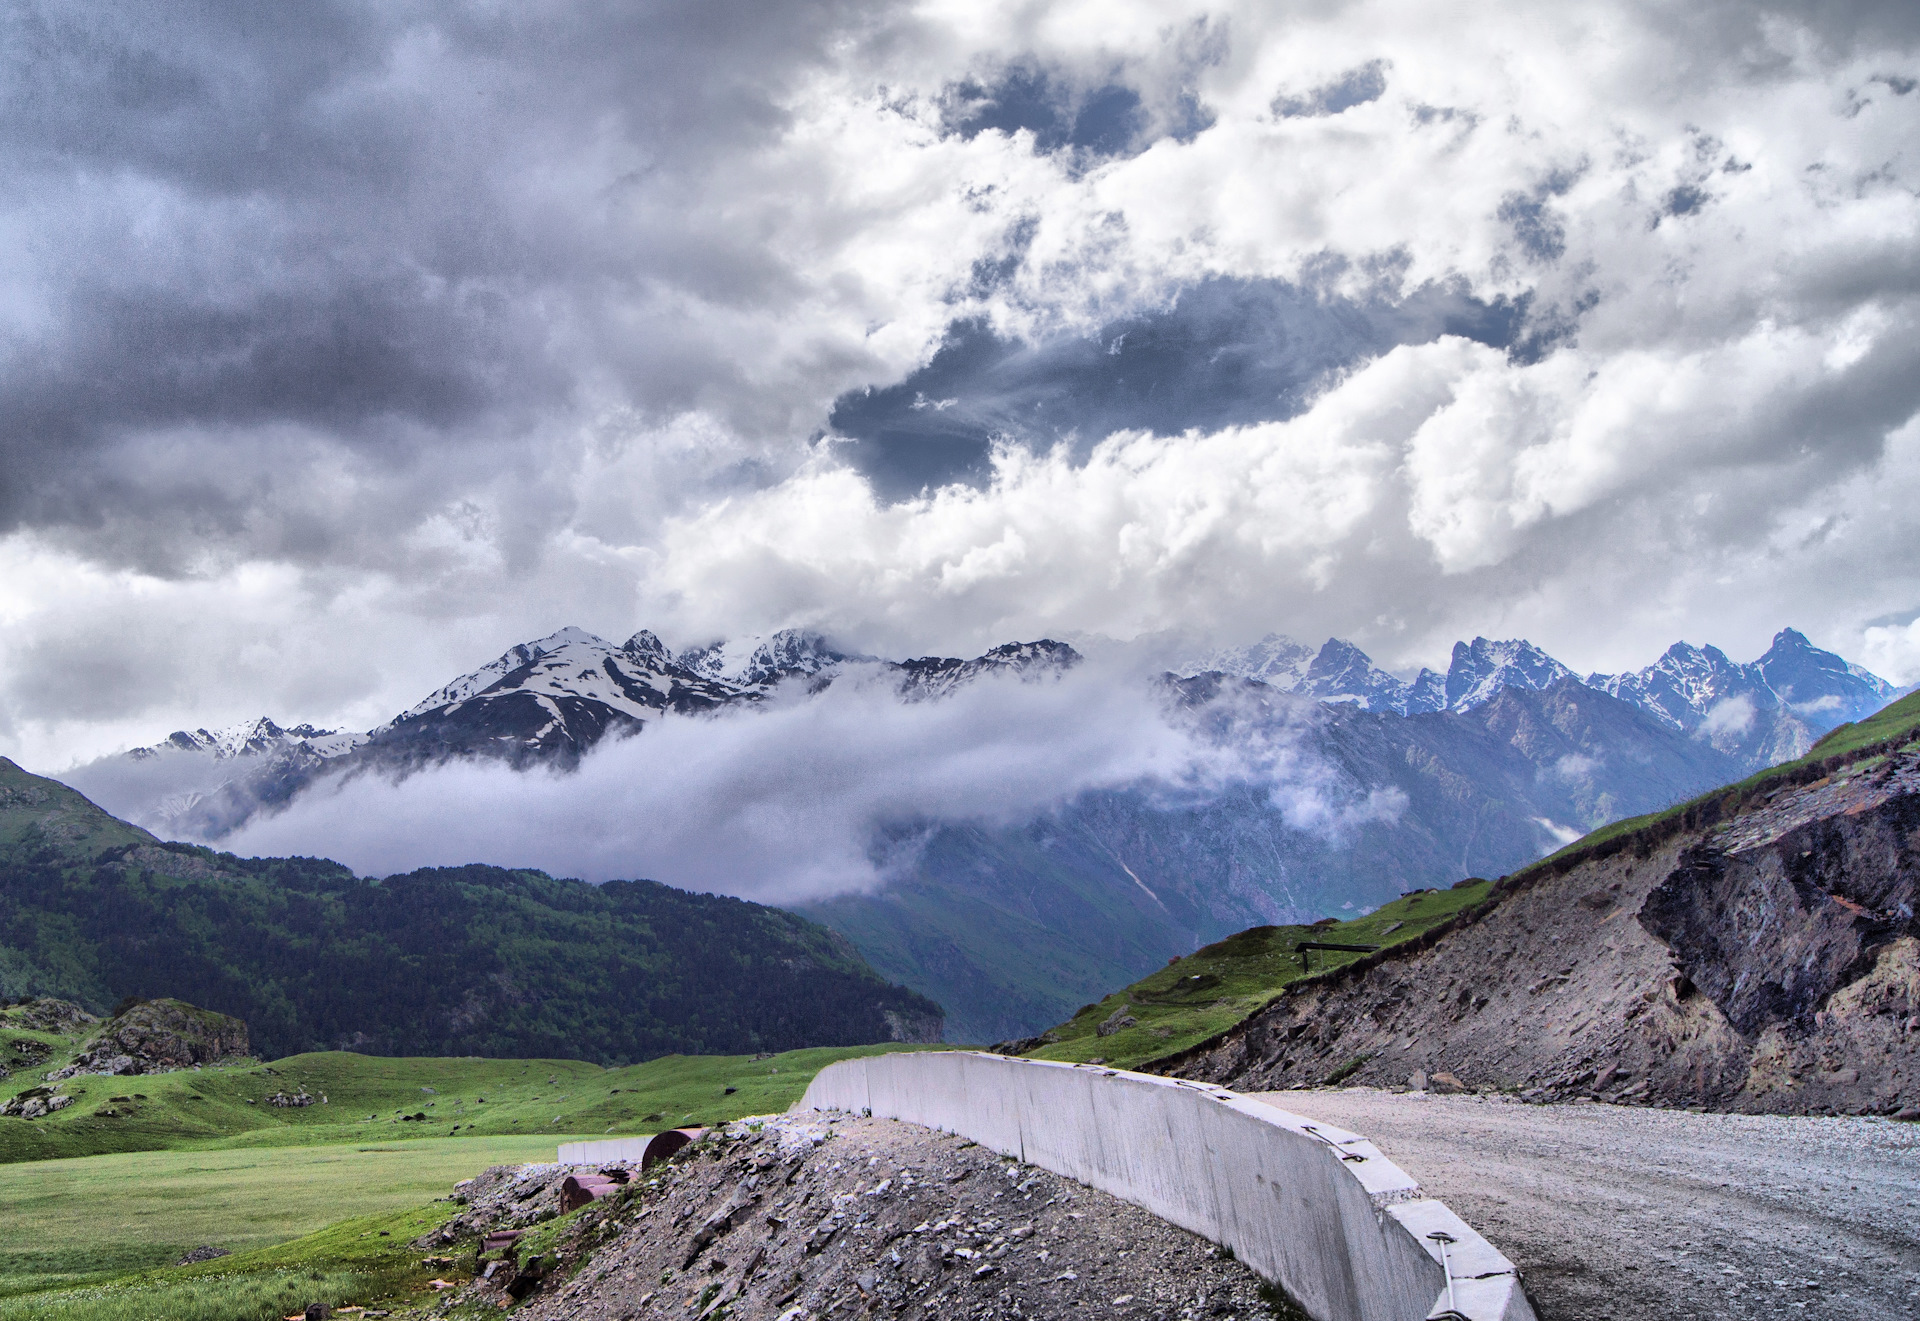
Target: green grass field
{"x": 1214, "y": 988}
{"x": 94, "y": 1209}
{"x": 68, "y": 1221}
{"x": 371, "y": 1099}
{"x": 366, "y": 1260}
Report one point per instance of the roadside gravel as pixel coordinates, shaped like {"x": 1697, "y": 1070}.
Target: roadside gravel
{"x": 790, "y": 1217}
{"x": 1638, "y": 1214}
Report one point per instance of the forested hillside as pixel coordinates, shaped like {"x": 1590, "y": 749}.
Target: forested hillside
{"x": 444, "y": 961}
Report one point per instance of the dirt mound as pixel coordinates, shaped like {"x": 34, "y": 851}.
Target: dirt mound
{"x": 158, "y": 1035}
{"x": 1768, "y": 963}
{"x": 806, "y": 1216}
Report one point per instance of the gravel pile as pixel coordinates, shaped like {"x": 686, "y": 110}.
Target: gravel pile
{"x": 786, "y": 1218}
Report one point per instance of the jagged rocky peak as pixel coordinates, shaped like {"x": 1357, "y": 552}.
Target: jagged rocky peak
{"x": 1274, "y": 660}
{"x": 794, "y": 651}
{"x": 260, "y": 737}
{"x": 755, "y": 661}
{"x": 1693, "y": 687}
{"x": 1812, "y": 681}
{"x": 932, "y": 676}
{"x": 1341, "y": 672}
{"x": 1044, "y": 654}
{"x": 1337, "y": 672}
{"x": 1481, "y": 668}
{"x": 646, "y": 649}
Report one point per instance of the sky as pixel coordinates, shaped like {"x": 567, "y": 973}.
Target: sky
{"x": 343, "y": 346}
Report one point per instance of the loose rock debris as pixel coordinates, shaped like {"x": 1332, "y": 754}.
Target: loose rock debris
{"x": 791, "y": 1218}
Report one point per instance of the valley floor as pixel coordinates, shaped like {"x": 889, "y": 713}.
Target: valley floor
{"x": 1661, "y": 1215}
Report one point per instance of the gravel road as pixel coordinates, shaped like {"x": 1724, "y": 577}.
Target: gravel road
{"x": 1654, "y": 1215}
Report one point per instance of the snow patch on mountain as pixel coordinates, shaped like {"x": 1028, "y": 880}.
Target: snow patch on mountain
{"x": 1481, "y": 668}
{"x": 1768, "y": 710}
{"x": 758, "y": 661}
{"x": 253, "y": 738}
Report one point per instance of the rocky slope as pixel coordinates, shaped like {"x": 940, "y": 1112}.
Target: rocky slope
{"x": 804, "y": 1216}
{"x": 1758, "y": 952}
{"x": 154, "y": 1036}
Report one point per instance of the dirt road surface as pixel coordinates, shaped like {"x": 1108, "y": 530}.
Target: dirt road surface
{"x": 1656, "y": 1215}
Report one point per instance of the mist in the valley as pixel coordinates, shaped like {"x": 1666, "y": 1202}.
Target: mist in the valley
{"x": 786, "y": 803}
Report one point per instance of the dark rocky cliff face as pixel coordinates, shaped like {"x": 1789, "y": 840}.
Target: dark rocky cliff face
{"x": 1770, "y": 963}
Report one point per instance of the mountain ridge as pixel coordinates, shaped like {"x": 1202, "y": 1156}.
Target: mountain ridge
{"x": 470, "y": 960}
{"x": 1011, "y": 925}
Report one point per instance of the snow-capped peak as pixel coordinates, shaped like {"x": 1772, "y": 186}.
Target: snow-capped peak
{"x": 568, "y": 647}
{"x": 1274, "y": 660}
{"x": 756, "y": 661}
{"x": 252, "y": 738}
{"x": 1480, "y": 669}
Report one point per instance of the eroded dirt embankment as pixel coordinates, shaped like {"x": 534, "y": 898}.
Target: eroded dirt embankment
{"x": 805, "y": 1216}
{"x": 1770, "y": 963}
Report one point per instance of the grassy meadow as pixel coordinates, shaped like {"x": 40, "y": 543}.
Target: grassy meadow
{"x": 64, "y": 1222}
{"x": 360, "y": 1261}
{"x": 99, "y": 1199}
{"x": 375, "y": 1099}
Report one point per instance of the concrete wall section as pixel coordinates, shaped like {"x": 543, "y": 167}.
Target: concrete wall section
{"x": 603, "y": 1152}
{"x": 1313, "y": 1208}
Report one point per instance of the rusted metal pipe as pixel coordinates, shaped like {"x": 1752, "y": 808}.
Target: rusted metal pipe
{"x": 665, "y": 1144}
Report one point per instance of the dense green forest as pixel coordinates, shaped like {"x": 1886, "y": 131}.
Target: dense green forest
{"x": 444, "y": 961}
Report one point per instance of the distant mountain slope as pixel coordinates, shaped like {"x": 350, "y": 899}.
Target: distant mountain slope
{"x": 1763, "y": 712}
{"x": 1756, "y": 950}
{"x": 1011, "y": 929}
{"x": 443, "y": 961}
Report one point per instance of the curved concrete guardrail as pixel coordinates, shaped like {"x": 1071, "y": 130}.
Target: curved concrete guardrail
{"x": 1312, "y": 1208}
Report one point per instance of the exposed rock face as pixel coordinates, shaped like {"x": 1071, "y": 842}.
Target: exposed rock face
{"x": 158, "y": 1035}
{"x": 47, "y": 1015}
{"x": 1769, "y": 963}
{"x": 919, "y": 1029}
{"x": 35, "y": 1103}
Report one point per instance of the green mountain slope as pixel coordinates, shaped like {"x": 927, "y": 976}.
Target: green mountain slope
{"x": 1195, "y": 998}
{"x": 444, "y": 961}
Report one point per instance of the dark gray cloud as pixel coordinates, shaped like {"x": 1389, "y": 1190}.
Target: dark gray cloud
{"x": 396, "y": 225}
{"x": 1226, "y": 352}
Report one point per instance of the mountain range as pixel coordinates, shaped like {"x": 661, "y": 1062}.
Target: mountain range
{"x": 1765, "y": 711}
{"x": 1414, "y": 782}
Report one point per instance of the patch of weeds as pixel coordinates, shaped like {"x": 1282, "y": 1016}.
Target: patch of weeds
{"x": 1347, "y": 1070}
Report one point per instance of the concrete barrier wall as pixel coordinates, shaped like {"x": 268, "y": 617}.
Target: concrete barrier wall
{"x": 1313, "y": 1208}
{"x": 604, "y": 1152}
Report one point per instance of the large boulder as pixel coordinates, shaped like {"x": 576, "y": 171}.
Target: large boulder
{"x": 34, "y": 1103}
{"x": 44, "y": 1014}
{"x": 157, "y": 1035}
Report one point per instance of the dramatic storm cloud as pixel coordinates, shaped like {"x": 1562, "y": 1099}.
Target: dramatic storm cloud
{"x": 344, "y": 344}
